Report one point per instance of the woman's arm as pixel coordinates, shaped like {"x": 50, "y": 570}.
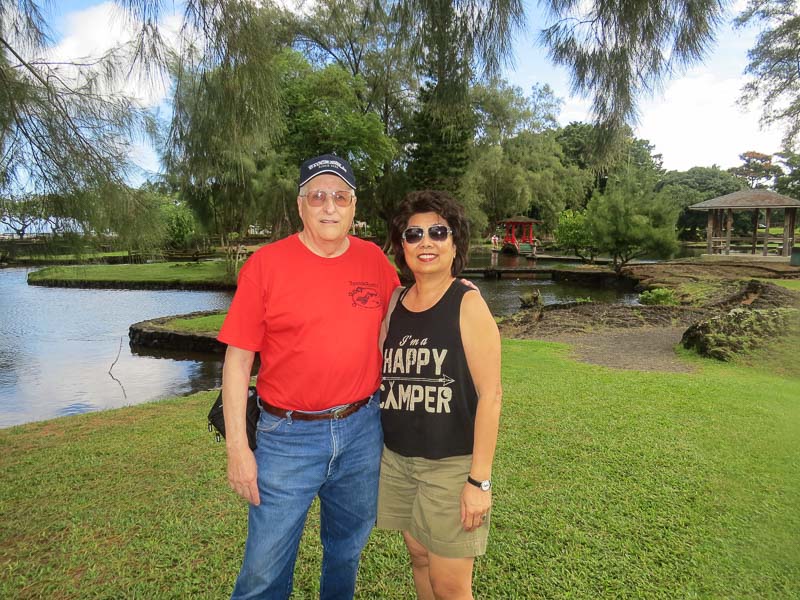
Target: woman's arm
{"x": 481, "y": 341}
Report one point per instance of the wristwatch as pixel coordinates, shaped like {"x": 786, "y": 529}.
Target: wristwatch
{"x": 485, "y": 485}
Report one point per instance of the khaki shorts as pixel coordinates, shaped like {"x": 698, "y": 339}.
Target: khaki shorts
{"x": 423, "y": 496}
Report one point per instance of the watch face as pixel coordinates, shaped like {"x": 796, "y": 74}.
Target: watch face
{"x": 486, "y": 485}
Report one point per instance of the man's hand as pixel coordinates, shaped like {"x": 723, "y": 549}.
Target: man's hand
{"x": 468, "y": 283}
{"x": 243, "y": 474}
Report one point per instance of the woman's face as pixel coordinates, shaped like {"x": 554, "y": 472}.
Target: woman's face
{"x": 428, "y": 255}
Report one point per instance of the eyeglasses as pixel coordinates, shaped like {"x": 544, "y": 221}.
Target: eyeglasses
{"x": 438, "y": 233}
{"x": 317, "y": 198}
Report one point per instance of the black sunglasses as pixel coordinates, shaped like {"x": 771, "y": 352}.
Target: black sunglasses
{"x": 438, "y": 233}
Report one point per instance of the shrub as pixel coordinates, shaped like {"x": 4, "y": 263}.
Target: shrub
{"x": 659, "y": 296}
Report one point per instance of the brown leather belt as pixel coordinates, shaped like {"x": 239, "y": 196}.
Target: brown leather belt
{"x": 339, "y": 413}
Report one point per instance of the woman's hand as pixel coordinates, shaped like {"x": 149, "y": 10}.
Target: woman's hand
{"x": 475, "y": 504}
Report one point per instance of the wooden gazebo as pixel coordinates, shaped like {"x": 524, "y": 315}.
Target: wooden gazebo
{"x": 720, "y": 221}
{"x": 522, "y": 243}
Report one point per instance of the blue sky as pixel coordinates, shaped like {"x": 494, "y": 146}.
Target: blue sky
{"x": 693, "y": 121}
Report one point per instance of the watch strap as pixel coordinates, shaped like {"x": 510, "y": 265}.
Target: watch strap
{"x": 478, "y": 484}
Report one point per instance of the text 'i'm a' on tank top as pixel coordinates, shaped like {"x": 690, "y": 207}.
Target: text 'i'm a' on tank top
{"x": 428, "y": 398}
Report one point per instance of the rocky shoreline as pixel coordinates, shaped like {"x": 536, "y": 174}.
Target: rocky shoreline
{"x": 155, "y": 335}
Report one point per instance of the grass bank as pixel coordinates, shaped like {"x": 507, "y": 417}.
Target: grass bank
{"x": 608, "y": 484}
{"x": 205, "y": 324}
{"x": 167, "y": 274}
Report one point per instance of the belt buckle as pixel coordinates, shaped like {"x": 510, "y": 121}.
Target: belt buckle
{"x": 337, "y": 414}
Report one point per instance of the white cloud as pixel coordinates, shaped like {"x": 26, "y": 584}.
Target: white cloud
{"x": 90, "y": 33}
{"x": 696, "y": 122}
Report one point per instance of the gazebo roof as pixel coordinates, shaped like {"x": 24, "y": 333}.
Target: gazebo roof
{"x": 748, "y": 199}
{"x": 520, "y": 219}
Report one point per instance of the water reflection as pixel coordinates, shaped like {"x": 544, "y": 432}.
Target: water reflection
{"x": 502, "y": 295}
{"x": 57, "y": 345}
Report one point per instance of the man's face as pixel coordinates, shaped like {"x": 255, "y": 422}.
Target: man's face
{"x": 329, "y": 222}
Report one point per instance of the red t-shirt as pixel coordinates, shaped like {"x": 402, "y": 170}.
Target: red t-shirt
{"x": 314, "y": 320}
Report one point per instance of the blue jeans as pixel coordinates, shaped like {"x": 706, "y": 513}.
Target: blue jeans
{"x": 337, "y": 460}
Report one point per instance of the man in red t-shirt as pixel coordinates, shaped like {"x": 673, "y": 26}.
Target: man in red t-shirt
{"x": 311, "y": 305}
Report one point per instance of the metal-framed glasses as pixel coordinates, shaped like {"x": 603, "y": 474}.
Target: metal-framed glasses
{"x": 438, "y": 233}
{"x": 341, "y": 198}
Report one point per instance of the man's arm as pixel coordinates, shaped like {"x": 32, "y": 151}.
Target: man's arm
{"x": 242, "y": 470}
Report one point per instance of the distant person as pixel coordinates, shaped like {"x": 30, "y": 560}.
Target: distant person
{"x": 495, "y": 242}
{"x": 440, "y": 401}
{"x": 311, "y": 305}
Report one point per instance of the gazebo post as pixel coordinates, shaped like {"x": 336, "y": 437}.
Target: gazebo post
{"x": 768, "y": 212}
{"x": 755, "y": 231}
{"x": 789, "y": 217}
{"x": 710, "y": 232}
{"x": 728, "y": 227}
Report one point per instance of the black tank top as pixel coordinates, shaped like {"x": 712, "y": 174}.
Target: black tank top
{"x": 428, "y": 398}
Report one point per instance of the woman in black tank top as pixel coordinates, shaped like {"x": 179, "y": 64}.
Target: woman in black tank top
{"x": 440, "y": 400}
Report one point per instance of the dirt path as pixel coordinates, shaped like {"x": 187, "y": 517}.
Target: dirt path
{"x": 644, "y": 338}
{"x": 640, "y": 349}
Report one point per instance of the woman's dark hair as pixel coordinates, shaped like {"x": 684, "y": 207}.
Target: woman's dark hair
{"x": 444, "y": 205}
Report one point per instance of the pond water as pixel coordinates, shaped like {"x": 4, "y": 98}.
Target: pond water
{"x": 57, "y": 345}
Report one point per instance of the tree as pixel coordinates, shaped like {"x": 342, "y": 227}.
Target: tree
{"x": 757, "y": 170}
{"x": 684, "y": 188}
{"x": 553, "y": 185}
{"x": 502, "y": 110}
{"x": 493, "y": 188}
{"x": 630, "y": 221}
{"x": 774, "y": 75}
{"x": 322, "y": 115}
{"x": 620, "y": 50}
{"x": 788, "y": 182}
{"x": 63, "y": 128}
{"x": 20, "y": 215}
{"x": 227, "y": 115}
{"x": 573, "y": 233}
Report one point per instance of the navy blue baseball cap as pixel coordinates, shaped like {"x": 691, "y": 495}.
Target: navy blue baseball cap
{"x": 327, "y": 163}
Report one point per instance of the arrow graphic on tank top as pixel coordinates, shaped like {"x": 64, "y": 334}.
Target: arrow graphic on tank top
{"x": 443, "y": 380}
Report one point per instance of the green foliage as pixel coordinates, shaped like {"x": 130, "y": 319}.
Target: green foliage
{"x": 757, "y": 169}
{"x": 574, "y": 234}
{"x": 698, "y": 184}
{"x": 740, "y": 331}
{"x": 553, "y": 186}
{"x": 322, "y": 115}
{"x": 788, "y": 182}
{"x": 441, "y": 142}
{"x": 493, "y": 188}
{"x": 630, "y": 221}
{"x": 23, "y": 215}
{"x": 659, "y": 297}
{"x": 531, "y": 300}
{"x": 181, "y": 226}
{"x": 502, "y": 111}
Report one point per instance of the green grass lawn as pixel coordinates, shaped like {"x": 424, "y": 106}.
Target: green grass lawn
{"x": 166, "y": 272}
{"x": 792, "y": 284}
{"x": 207, "y": 324}
{"x": 608, "y": 484}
